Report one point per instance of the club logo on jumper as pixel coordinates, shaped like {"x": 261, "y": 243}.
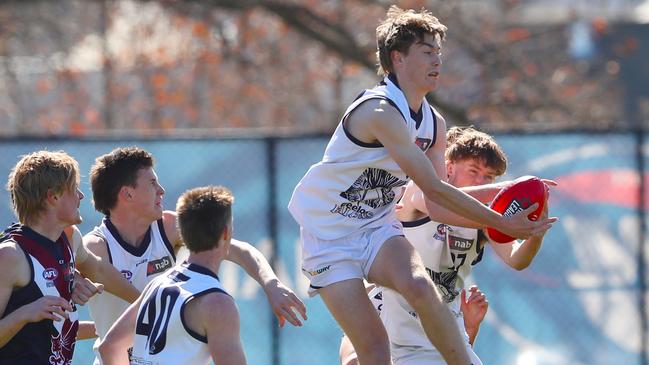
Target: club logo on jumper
{"x": 50, "y": 274}
{"x": 373, "y": 188}
{"x": 62, "y": 344}
{"x": 445, "y": 282}
{"x": 441, "y": 232}
{"x": 459, "y": 243}
{"x": 318, "y": 271}
{"x": 157, "y": 266}
{"x": 127, "y": 275}
{"x": 423, "y": 143}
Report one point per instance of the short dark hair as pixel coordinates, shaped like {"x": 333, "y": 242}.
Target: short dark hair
{"x": 464, "y": 143}
{"x": 400, "y": 30}
{"x": 114, "y": 170}
{"x": 203, "y": 215}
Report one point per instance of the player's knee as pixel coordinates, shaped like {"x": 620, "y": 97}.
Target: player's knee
{"x": 418, "y": 290}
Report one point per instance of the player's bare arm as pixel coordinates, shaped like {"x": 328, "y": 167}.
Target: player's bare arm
{"x": 170, "y": 224}
{"x": 437, "y": 152}
{"x": 113, "y": 348}
{"x": 519, "y": 254}
{"x": 438, "y": 213}
{"x": 84, "y": 288}
{"x": 474, "y": 308}
{"x": 86, "y": 330}
{"x": 282, "y": 300}
{"x": 220, "y": 318}
{"x": 16, "y": 274}
{"x": 99, "y": 270}
{"x": 394, "y": 137}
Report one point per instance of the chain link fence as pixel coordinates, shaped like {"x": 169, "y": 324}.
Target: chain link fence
{"x": 582, "y": 301}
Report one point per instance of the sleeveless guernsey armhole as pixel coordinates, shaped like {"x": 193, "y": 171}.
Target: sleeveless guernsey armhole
{"x": 163, "y": 234}
{"x": 29, "y": 261}
{"x": 481, "y": 243}
{"x": 356, "y": 140}
{"x": 416, "y": 223}
{"x": 182, "y": 312}
{"x": 432, "y": 110}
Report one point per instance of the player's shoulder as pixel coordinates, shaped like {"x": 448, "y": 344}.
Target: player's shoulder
{"x": 376, "y": 109}
{"x": 96, "y": 243}
{"x": 169, "y": 216}
{"x": 218, "y": 306}
{"x": 94, "y": 238}
{"x": 12, "y": 260}
{"x": 439, "y": 119}
{"x": 10, "y": 250}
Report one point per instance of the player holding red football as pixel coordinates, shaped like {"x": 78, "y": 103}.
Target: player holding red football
{"x": 473, "y": 158}
{"x": 448, "y": 252}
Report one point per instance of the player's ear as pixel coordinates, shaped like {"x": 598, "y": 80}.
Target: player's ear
{"x": 397, "y": 57}
{"x": 227, "y": 233}
{"x": 125, "y": 193}
{"x": 450, "y": 168}
{"x": 51, "y": 196}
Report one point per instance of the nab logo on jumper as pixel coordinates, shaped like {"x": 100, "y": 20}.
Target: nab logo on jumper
{"x": 157, "y": 266}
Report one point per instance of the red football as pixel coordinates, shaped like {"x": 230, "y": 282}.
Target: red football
{"x": 522, "y": 193}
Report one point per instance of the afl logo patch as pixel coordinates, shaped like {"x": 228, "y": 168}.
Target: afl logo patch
{"x": 127, "y": 274}
{"x": 50, "y": 274}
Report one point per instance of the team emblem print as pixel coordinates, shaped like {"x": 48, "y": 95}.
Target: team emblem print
{"x": 441, "y": 231}
{"x": 50, "y": 274}
{"x": 423, "y": 143}
{"x": 373, "y": 188}
{"x": 445, "y": 282}
{"x": 127, "y": 274}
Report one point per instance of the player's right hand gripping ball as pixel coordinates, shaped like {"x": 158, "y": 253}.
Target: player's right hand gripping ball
{"x": 522, "y": 193}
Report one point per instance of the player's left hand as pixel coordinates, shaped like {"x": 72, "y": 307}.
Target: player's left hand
{"x": 285, "y": 303}
{"x": 84, "y": 289}
{"x": 474, "y": 308}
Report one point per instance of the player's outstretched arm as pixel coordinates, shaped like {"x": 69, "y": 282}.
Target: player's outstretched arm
{"x": 414, "y": 198}
{"x": 100, "y": 270}
{"x": 474, "y": 310}
{"x": 221, "y": 318}
{"x": 520, "y": 254}
{"x": 113, "y": 349}
{"x": 394, "y": 137}
{"x": 282, "y": 299}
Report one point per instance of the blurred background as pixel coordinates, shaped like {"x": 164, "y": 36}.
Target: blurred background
{"x": 245, "y": 93}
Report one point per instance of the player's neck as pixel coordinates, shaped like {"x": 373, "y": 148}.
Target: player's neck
{"x": 131, "y": 227}
{"x": 45, "y": 226}
{"x": 414, "y": 95}
{"x": 206, "y": 259}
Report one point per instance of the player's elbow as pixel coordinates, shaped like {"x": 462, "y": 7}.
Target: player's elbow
{"x": 105, "y": 348}
{"x": 520, "y": 266}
